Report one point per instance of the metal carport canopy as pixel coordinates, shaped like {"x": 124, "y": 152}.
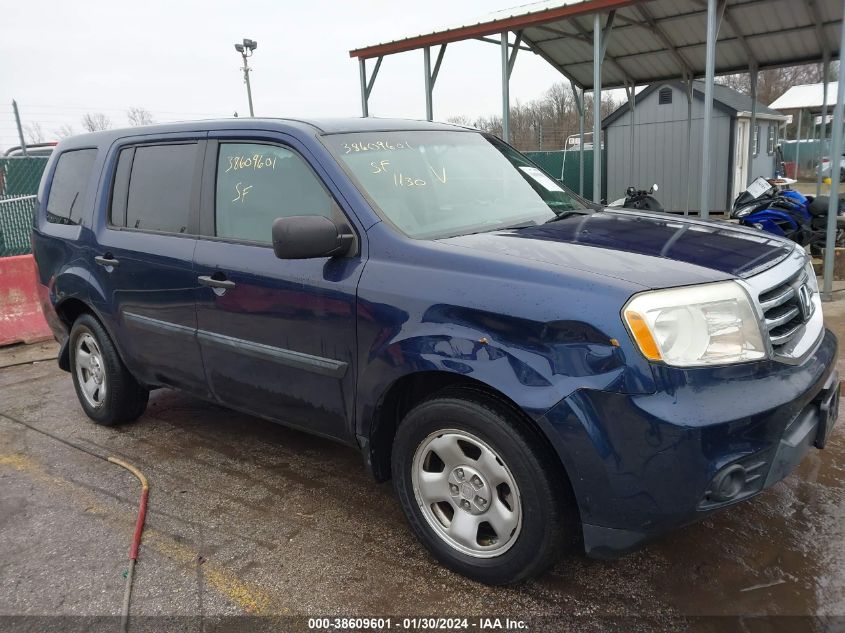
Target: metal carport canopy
{"x": 635, "y": 42}
{"x": 652, "y": 40}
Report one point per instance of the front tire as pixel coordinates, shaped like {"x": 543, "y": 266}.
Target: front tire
{"x": 108, "y": 393}
{"x": 485, "y": 496}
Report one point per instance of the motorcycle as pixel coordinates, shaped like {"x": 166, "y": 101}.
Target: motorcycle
{"x": 639, "y": 199}
{"x": 768, "y": 206}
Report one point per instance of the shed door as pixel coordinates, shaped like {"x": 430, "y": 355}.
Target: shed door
{"x": 740, "y": 180}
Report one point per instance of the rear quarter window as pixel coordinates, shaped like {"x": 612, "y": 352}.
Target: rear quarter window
{"x": 70, "y": 184}
{"x": 160, "y": 183}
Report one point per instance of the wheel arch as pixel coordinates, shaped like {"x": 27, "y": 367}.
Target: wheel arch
{"x": 68, "y": 311}
{"x": 413, "y": 388}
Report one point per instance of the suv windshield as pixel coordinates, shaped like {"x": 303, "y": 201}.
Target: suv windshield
{"x": 440, "y": 184}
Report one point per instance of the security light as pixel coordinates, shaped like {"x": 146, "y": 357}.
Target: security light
{"x": 246, "y": 49}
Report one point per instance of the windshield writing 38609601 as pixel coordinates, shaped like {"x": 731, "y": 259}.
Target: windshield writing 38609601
{"x": 373, "y": 146}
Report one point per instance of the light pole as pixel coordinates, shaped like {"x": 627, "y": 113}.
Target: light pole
{"x": 246, "y": 49}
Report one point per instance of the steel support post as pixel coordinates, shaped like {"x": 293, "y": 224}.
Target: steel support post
{"x": 362, "y": 74}
{"x": 632, "y": 104}
{"x": 798, "y": 145}
{"x": 506, "y": 100}
{"x": 581, "y": 123}
{"x": 835, "y": 153}
{"x": 689, "y": 88}
{"x": 753, "y": 137}
{"x": 507, "y": 68}
{"x": 597, "y": 55}
{"x": 710, "y": 65}
{"x": 367, "y": 85}
{"x": 812, "y": 134}
{"x": 579, "y": 107}
{"x": 429, "y": 114}
{"x": 823, "y": 133}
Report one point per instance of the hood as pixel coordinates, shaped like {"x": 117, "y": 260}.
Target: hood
{"x": 654, "y": 250}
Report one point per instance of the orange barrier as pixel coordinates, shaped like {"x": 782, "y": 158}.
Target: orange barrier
{"x": 21, "y": 319}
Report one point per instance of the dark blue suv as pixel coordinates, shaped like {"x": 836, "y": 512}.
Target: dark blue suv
{"x": 532, "y": 371}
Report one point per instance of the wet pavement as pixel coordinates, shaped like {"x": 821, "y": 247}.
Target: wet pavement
{"x": 248, "y": 517}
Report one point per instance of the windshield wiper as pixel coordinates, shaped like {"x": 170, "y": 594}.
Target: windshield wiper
{"x": 565, "y": 214}
{"x": 519, "y": 225}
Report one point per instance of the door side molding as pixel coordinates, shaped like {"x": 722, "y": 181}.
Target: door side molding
{"x": 297, "y": 360}
{"x": 157, "y": 325}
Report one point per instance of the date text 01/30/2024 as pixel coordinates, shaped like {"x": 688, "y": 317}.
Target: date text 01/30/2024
{"x": 413, "y": 624}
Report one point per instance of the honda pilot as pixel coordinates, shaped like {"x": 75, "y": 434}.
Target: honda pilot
{"x": 532, "y": 371}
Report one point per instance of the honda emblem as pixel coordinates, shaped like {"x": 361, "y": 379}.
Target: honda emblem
{"x": 805, "y": 301}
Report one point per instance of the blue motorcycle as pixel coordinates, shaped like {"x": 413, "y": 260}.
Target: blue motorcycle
{"x": 787, "y": 213}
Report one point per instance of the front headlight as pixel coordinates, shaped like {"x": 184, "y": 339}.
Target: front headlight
{"x": 812, "y": 280}
{"x": 710, "y": 324}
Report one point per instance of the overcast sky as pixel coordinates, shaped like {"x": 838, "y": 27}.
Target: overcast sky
{"x": 175, "y": 58}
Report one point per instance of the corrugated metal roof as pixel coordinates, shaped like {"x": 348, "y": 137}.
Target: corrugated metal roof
{"x": 653, "y": 40}
{"x": 808, "y": 97}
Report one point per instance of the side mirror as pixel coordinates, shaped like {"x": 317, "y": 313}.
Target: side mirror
{"x": 310, "y": 236}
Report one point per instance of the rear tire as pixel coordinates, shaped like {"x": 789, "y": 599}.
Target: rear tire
{"x": 483, "y": 494}
{"x": 108, "y": 393}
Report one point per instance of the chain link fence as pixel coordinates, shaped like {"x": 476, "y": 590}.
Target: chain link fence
{"x": 807, "y": 153}
{"x": 19, "y": 179}
{"x": 564, "y": 165}
{"x": 15, "y": 225}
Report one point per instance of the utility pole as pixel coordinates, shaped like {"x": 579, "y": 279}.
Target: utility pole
{"x": 246, "y": 50}
{"x": 20, "y": 129}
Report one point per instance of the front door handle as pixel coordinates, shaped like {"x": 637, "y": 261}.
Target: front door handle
{"x": 106, "y": 260}
{"x": 207, "y": 280}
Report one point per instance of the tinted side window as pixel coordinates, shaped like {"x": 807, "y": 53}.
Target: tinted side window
{"x": 70, "y": 184}
{"x": 160, "y": 187}
{"x": 257, "y": 184}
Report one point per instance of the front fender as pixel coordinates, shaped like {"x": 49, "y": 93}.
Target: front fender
{"x": 533, "y": 364}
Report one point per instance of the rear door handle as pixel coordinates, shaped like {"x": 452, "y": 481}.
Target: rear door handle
{"x": 106, "y": 260}
{"x": 207, "y": 280}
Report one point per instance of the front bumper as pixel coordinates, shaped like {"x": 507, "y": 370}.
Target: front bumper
{"x": 641, "y": 465}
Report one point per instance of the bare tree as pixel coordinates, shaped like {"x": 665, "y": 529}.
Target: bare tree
{"x": 542, "y": 124}
{"x": 771, "y": 84}
{"x": 559, "y": 101}
{"x": 139, "y": 116}
{"x": 64, "y": 131}
{"x": 34, "y": 133}
{"x": 95, "y": 121}
{"x": 460, "y": 119}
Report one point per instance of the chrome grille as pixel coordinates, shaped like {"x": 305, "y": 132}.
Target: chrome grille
{"x": 782, "y": 312}
{"x": 788, "y": 306}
